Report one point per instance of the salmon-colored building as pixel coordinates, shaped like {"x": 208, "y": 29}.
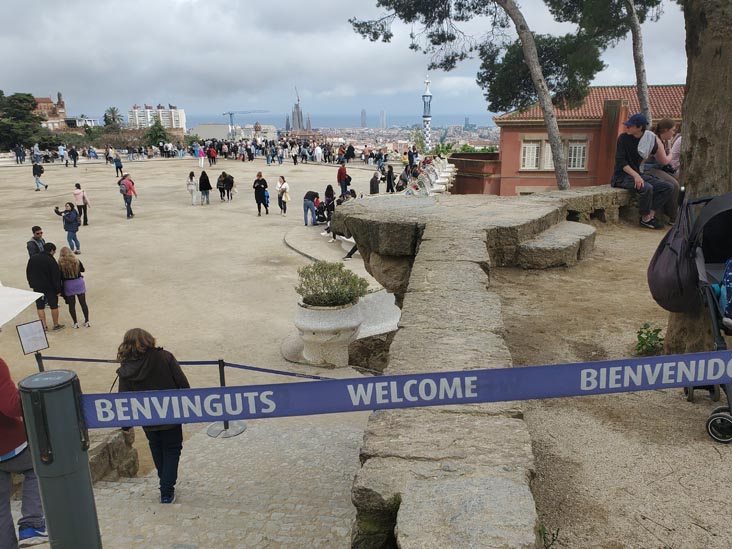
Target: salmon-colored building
{"x": 589, "y": 134}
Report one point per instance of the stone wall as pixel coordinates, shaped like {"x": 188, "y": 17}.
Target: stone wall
{"x": 453, "y": 476}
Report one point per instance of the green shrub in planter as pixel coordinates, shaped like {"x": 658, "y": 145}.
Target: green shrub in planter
{"x": 325, "y": 284}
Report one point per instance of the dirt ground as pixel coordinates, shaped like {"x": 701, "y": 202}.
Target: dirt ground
{"x": 626, "y": 470}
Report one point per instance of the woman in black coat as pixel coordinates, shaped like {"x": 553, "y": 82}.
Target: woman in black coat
{"x": 204, "y": 185}
{"x": 260, "y": 189}
{"x": 390, "y": 178}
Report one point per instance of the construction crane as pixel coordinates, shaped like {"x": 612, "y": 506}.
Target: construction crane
{"x": 231, "y": 114}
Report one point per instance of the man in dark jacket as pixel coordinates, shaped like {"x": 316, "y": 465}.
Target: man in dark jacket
{"x": 35, "y": 244}
{"x": 37, "y": 173}
{"x": 15, "y": 458}
{"x": 44, "y": 277}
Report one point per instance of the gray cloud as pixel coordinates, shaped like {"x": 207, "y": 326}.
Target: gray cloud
{"x": 214, "y": 55}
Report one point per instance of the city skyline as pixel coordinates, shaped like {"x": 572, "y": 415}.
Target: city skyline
{"x": 165, "y": 64}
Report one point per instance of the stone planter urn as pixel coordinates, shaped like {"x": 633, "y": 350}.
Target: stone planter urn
{"x": 327, "y": 331}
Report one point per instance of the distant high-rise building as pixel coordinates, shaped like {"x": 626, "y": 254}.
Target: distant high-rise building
{"x": 144, "y": 117}
{"x": 287, "y": 123}
{"x": 308, "y": 126}
{"x": 297, "y": 124}
{"x": 382, "y": 120}
{"x": 426, "y": 114}
{"x": 363, "y": 118}
{"x": 467, "y": 123}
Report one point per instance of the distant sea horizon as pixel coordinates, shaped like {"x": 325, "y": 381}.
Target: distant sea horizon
{"x": 345, "y": 120}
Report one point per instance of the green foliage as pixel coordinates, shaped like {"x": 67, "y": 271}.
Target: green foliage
{"x": 417, "y": 139}
{"x": 325, "y": 284}
{"x": 155, "y": 134}
{"x": 18, "y": 124}
{"x": 650, "y": 341}
{"x": 569, "y": 63}
{"x": 604, "y": 20}
{"x": 113, "y": 119}
{"x": 548, "y": 538}
{"x": 191, "y": 139}
{"x": 444, "y": 149}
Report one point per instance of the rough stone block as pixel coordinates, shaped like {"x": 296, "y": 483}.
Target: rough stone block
{"x": 385, "y": 237}
{"x": 451, "y": 248}
{"x": 559, "y": 246}
{"x": 453, "y": 310}
{"x": 445, "y": 514}
{"x": 427, "y": 276}
{"x": 392, "y": 272}
{"x": 467, "y": 441}
{"x": 420, "y": 349}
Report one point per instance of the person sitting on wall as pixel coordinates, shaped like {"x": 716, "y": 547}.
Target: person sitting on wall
{"x": 628, "y": 174}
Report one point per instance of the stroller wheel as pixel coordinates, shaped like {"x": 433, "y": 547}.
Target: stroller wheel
{"x": 720, "y": 410}
{"x": 719, "y": 427}
{"x": 689, "y": 394}
{"x": 714, "y": 393}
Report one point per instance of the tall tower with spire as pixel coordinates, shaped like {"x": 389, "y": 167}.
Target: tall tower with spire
{"x": 426, "y": 114}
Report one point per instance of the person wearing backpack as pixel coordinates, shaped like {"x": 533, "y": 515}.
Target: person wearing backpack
{"x": 127, "y": 190}
{"x": 37, "y": 173}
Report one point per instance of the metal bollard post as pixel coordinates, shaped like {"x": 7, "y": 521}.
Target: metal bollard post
{"x": 59, "y": 441}
{"x": 225, "y": 429}
{"x": 39, "y": 361}
{"x": 222, "y": 383}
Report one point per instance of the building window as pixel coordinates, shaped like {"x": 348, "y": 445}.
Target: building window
{"x": 530, "y": 155}
{"x": 537, "y": 155}
{"x": 576, "y": 155}
{"x": 547, "y": 159}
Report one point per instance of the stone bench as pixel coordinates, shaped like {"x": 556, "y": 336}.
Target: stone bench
{"x": 563, "y": 245}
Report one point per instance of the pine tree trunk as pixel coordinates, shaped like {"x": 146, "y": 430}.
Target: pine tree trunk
{"x": 639, "y": 61}
{"x": 706, "y": 156}
{"x": 545, "y": 100}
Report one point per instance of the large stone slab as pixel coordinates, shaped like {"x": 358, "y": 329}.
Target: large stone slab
{"x": 430, "y": 276}
{"x": 561, "y": 245}
{"x": 429, "y": 434}
{"x": 421, "y": 349}
{"x": 443, "y": 514}
{"x": 454, "y": 249}
{"x": 453, "y": 310}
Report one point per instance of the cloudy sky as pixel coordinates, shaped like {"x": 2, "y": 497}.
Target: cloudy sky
{"x": 210, "y": 56}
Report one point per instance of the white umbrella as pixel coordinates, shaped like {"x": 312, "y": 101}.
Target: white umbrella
{"x": 13, "y": 301}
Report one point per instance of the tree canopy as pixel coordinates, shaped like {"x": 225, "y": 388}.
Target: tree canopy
{"x": 156, "y": 134}
{"x": 18, "y": 124}
{"x": 569, "y": 63}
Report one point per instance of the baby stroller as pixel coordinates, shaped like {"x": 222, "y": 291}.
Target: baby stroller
{"x": 701, "y": 256}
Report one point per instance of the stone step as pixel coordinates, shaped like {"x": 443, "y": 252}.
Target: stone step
{"x": 562, "y": 245}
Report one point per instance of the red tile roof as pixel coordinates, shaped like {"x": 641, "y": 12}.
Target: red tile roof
{"x": 43, "y": 100}
{"x": 666, "y": 102}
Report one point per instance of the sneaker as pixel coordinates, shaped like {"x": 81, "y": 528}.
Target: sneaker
{"x": 58, "y": 327}
{"x": 727, "y": 323}
{"x": 77, "y": 252}
{"x": 331, "y": 240}
{"x": 29, "y": 536}
{"x": 346, "y": 258}
{"x": 46, "y": 186}
{"x": 167, "y": 499}
{"x": 75, "y": 325}
{"x": 652, "y": 223}
{"x": 87, "y": 324}
{"x": 38, "y": 190}
{"x": 324, "y": 233}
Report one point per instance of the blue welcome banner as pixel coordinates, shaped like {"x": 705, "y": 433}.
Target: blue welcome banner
{"x": 405, "y": 391}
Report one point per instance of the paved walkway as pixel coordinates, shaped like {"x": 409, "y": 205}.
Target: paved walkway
{"x": 208, "y": 282}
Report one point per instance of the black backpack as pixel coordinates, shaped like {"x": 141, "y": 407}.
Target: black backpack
{"x": 673, "y": 277}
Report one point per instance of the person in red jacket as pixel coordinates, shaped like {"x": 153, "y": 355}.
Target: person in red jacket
{"x": 343, "y": 179}
{"x": 15, "y": 457}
